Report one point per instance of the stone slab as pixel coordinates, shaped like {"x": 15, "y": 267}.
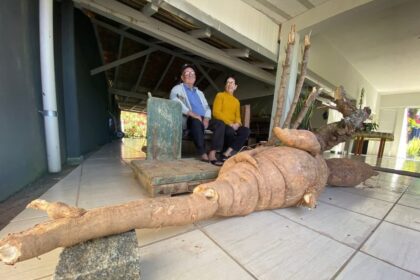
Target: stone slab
{"x": 112, "y": 257}
{"x": 168, "y": 177}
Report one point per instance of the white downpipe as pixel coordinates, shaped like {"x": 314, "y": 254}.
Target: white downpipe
{"x": 48, "y": 85}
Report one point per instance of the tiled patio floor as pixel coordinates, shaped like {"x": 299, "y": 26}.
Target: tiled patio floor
{"x": 371, "y": 232}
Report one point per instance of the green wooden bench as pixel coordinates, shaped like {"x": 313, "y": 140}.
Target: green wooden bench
{"x": 164, "y": 172}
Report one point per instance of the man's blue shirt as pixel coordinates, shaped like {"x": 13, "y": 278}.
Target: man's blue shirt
{"x": 194, "y": 99}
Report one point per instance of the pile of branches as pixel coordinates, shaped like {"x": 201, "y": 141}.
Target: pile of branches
{"x": 328, "y": 135}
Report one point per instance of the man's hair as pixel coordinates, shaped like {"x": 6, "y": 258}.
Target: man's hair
{"x": 185, "y": 66}
{"x": 230, "y": 76}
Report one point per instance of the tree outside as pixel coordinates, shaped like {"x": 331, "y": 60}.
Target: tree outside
{"x": 413, "y": 133}
{"x": 134, "y": 124}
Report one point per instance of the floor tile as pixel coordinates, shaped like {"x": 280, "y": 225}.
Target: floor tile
{"x": 366, "y": 267}
{"x": 147, "y": 236}
{"x": 67, "y": 195}
{"x": 410, "y": 200}
{"x": 101, "y": 191}
{"x": 360, "y": 204}
{"x": 405, "y": 216}
{"x": 374, "y": 192}
{"x": 28, "y": 214}
{"x": 114, "y": 194}
{"x": 189, "y": 256}
{"x": 210, "y": 221}
{"x": 353, "y": 230}
{"x": 414, "y": 189}
{"x": 386, "y": 184}
{"x": 272, "y": 247}
{"x": 396, "y": 245}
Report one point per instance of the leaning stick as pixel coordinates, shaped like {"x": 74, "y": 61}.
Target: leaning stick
{"x": 299, "y": 85}
{"x": 283, "y": 80}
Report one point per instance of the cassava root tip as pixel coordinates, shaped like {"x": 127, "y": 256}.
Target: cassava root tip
{"x": 9, "y": 254}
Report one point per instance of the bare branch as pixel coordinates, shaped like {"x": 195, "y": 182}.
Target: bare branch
{"x": 353, "y": 118}
{"x": 283, "y": 80}
{"x": 299, "y": 85}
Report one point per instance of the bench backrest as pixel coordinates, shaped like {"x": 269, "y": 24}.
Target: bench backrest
{"x": 246, "y": 115}
{"x": 164, "y": 129}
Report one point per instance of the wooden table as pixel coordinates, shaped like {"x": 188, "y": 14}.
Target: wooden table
{"x": 382, "y": 136}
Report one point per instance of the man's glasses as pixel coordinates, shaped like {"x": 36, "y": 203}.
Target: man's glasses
{"x": 189, "y": 74}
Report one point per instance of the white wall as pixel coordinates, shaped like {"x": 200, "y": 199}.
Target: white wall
{"x": 390, "y": 118}
{"x": 401, "y": 100}
{"x": 328, "y": 63}
{"x": 244, "y": 19}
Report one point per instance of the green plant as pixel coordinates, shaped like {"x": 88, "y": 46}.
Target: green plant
{"x": 362, "y": 94}
{"x": 306, "y": 122}
{"x": 135, "y": 124}
{"x": 412, "y": 123}
{"x": 413, "y": 147}
{"x": 370, "y": 126}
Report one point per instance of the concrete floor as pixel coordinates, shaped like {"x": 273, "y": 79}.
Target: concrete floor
{"x": 369, "y": 232}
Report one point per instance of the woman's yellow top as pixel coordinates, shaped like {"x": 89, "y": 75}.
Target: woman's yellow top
{"x": 226, "y": 108}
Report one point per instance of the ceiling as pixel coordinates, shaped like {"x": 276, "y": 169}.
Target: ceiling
{"x": 282, "y": 10}
{"x": 136, "y": 63}
{"x": 381, "y": 40}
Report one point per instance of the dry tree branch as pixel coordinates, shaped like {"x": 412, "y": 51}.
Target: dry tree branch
{"x": 299, "y": 85}
{"x": 353, "y": 118}
{"x": 283, "y": 81}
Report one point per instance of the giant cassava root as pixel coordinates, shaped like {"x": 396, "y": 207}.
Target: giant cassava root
{"x": 264, "y": 178}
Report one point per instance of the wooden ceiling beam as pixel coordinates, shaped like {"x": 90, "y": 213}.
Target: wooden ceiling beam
{"x": 137, "y": 20}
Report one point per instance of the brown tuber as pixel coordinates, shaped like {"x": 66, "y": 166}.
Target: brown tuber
{"x": 264, "y": 178}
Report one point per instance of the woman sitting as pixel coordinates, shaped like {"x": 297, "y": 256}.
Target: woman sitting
{"x": 226, "y": 108}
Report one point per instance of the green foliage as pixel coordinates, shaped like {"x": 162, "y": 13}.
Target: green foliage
{"x": 370, "y": 126}
{"x": 135, "y": 124}
{"x": 306, "y": 122}
{"x": 412, "y": 123}
{"x": 413, "y": 147}
{"x": 362, "y": 94}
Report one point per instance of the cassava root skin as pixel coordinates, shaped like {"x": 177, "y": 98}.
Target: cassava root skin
{"x": 263, "y": 178}
{"x": 99, "y": 222}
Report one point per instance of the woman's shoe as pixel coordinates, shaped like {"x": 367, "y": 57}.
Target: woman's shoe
{"x": 224, "y": 158}
{"x": 216, "y": 162}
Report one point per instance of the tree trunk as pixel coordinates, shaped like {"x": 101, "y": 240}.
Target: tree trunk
{"x": 338, "y": 132}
